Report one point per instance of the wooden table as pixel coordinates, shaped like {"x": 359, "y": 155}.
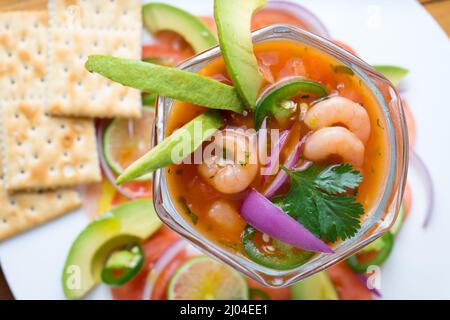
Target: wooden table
{"x": 440, "y": 9}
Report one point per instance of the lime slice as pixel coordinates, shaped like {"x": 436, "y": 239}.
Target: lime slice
{"x": 202, "y": 278}
{"x": 120, "y": 149}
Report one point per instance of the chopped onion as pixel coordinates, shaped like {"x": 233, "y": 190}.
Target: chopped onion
{"x": 107, "y": 170}
{"x": 312, "y": 22}
{"x": 275, "y": 154}
{"x": 425, "y": 175}
{"x": 130, "y": 128}
{"x": 160, "y": 265}
{"x": 363, "y": 279}
{"x": 266, "y": 217}
{"x": 282, "y": 176}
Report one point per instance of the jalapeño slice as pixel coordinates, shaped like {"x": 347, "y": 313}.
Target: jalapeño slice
{"x": 375, "y": 253}
{"x": 122, "y": 266}
{"x": 278, "y": 101}
{"x": 281, "y": 256}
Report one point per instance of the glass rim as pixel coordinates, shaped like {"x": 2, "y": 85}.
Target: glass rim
{"x": 351, "y": 245}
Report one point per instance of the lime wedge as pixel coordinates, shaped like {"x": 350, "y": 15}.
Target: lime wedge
{"x": 395, "y": 74}
{"x": 121, "y": 149}
{"x": 203, "y": 278}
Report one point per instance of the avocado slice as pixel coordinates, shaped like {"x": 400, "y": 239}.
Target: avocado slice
{"x": 316, "y": 287}
{"x": 161, "y": 16}
{"x": 233, "y": 18}
{"x": 181, "y": 143}
{"x": 128, "y": 223}
{"x": 394, "y": 74}
{"x": 167, "y": 82}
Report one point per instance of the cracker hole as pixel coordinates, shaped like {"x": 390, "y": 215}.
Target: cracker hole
{"x": 22, "y": 172}
{"x": 12, "y": 203}
{"x": 42, "y": 79}
{"x": 51, "y": 169}
{"x": 49, "y": 141}
{"x": 16, "y": 115}
{"x": 81, "y": 166}
{"x": 4, "y": 221}
{"x": 59, "y": 196}
{"x": 36, "y": 156}
{"x": 63, "y": 127}
{"x": 79, "y": 139}
{"x": 32, "y": 209}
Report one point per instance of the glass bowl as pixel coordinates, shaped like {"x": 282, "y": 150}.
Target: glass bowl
{"x": 376, "y": 222}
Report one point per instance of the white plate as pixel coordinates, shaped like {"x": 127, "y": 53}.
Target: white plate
{"x": 383, "y": 32}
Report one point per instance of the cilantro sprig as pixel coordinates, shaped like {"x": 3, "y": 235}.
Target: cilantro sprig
{"x": 319, "y": 200}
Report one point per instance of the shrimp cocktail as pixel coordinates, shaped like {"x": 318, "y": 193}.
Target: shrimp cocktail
{"x": 277, "y": 152}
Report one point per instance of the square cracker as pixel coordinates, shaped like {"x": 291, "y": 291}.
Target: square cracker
{"x": 24, "y": 211}
{"x": 72, "y": 90}
{"x": 22, "y": 62}
{"x": 44, "y": 152}
{"x": 97, "y": 14}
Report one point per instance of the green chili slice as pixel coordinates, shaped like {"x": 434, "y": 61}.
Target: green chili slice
{"x": 282, "y": 257}
{"x": 382, "y": 248}
{"x": 122, "y": 266}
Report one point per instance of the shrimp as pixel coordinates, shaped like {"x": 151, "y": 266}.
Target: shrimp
{"x": 225, "y": 217}
{"x": 338, "y": 141}
{"x": 340, "y": 110}
{"x": 236, "y": 171}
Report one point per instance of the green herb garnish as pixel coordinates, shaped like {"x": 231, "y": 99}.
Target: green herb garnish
{"x": 343, "y": 70}
{"x": 189, "y": 212}
{"x": 318, "y": 201}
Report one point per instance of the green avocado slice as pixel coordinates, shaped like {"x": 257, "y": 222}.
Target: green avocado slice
{"x": 233, "y": 18}
{"x": 176, "y": 147}
{"x": 394, "y": 74}
{"x": 316, "y": 287}
{"x": 161, "y": 16}
{"x": 131, "y": 222}
{"x": 167, "y": 82}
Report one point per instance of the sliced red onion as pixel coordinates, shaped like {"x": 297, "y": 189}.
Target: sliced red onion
{"x": 363, "y": 279}
{"x": 282, "y": 176}
{"x": 275, "y": 154}
{"x": 266, "y": 217}
{"x": 160, "y": 265}
{"x": 307, "y": 17}
{"x": 262, "y": 142}
{"x": 420, "y": 166}
{"x": 106, "y": 169}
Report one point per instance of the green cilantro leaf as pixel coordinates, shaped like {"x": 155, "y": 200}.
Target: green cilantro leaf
{"x": 317, "y": 201}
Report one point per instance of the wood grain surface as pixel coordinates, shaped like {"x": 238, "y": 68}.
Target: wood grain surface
{"x": 439, "y": 9}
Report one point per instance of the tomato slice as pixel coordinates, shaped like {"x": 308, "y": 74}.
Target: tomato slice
{"x": 153, "y": 249}
{"x": 168, "y": 45}
{"x": 347, "y": 284}
{"x": 162, "y": 282}
{"x": 267, "y": 17}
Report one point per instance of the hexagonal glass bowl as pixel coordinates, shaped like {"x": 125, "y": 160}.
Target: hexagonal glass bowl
{"x": 375, "y": 223}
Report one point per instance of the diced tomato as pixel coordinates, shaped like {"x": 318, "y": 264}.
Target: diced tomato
{"x": 274, "y": 293}
{"x": 153, "y": 249}
{"x": 347, "y": 284}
